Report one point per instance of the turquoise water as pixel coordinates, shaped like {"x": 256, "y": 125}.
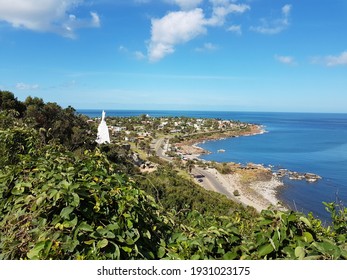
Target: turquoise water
{"x": 303, "y": 142}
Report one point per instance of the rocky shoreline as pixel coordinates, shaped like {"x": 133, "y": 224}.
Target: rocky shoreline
{"x": 293, "y": 175}
{"x": 257, "y": 192}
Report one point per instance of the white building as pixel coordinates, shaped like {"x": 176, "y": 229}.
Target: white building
{"x": 103, "y": 133}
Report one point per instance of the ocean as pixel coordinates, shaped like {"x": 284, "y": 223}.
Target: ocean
{"x": 303, "y": 142}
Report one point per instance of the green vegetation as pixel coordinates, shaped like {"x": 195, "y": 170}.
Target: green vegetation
{"x": 55, "y": 205}
{"x": 182, "y": 195}
{"x": 54, "y": 124}
{"x": 63, "y": 198}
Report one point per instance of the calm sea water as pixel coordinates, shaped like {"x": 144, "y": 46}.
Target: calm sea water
{"x": 303, "y": 142}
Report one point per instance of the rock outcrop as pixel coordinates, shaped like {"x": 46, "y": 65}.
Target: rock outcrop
{"x": 293, "y": 175}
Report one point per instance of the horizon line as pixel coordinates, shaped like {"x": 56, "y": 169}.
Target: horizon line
{"x": 210, "y": 110}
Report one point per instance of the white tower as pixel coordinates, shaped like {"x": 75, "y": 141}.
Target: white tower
{"x": 103, "y": 134}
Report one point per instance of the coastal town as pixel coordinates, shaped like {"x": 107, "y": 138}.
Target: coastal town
{"x": 153, "y": 140}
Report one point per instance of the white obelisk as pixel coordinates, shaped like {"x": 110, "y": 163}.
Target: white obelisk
{"x": 103, "y": 134}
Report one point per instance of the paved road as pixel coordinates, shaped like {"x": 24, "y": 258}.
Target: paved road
{"x": 209, "y": 181}
{"x": 159, "y": 151}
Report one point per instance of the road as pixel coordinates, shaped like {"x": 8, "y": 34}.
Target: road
{"x": 159, "y": 151}
{"x": 208, "y": 181}
{"x": 211, "y": 182}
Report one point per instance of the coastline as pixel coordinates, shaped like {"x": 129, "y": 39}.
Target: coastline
{"x": 258, "y": 193}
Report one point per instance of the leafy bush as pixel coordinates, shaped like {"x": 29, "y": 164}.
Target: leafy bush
{"x": 274, "y": 235}
{"x": 16, "y": 140}
{"x": 56, "y": 206}
{"x": 236, "y": 193}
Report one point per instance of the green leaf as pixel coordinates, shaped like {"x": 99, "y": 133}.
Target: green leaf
{"x": 161, "y": 252}
{"x": 76, "y": 200}
{"x": 70, "y": 224}
{"x": 195, "y": 257}
{"x": 65, "y": 184}
{"x": 179, "y": 237}
{"x": 116, "y": 252}
{"x": 70, "y": 245}
{"x": 147, "y": 234}
{"x": 328, "y": 248}
{"x": 129, "y": 224}
{"x": 65, "y": 212}
{"x": 113, "y": 226}
{"x": 85, "y": 227}
{"x": 102, "y": 243}
{"x": 109, "y": 235}
{"x": 34, "y": 252}
{"x": 265, "y": 222}
{"x": 344, "y": 253}
{"x": 265, "y": 250}
{"x": 52, "y": 193}
{"x": 230, "y": 256}
{"x": 18, "y": 190}
{"x": 308, "y": 237}
{"x": 299, "y": 252}
{"x": 289, "y": 252}
{"x": 291, "y": 218}
{"x": 305, "y": 221}
{"x": 48, "y": 246}
{"x": 126, "y": 249}
{"x": 130, "y": 241}
{"x": 40, "y": 200}
{"x": 89, "y": 242}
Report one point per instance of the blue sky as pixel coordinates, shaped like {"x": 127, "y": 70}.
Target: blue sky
{"x": 250, "y": 55}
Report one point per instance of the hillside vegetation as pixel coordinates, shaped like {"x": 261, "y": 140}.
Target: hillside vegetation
{"x": 61, "y": 197}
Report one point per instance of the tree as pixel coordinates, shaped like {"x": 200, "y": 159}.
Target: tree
{"x": 190, "y": 165}
{"x": 9, "y": 102}
{"x": 64, "y": 125}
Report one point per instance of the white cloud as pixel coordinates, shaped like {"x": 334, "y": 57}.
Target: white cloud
{"x": 46, "y": 15}
{"x": 235, "y": 28}
{"x": 275, "y": 26}
{"x": 139, "y": 55}
{"x": 336, "y": 60}
{"x": 133, "y": 54}
{"x": 95, "y": 19}
{"x": 182, "y": 26}
{"x": 174, "y": 28}
{"x": 207, "y": 47}
{"x": 23, "y": 86}
{"x": 285, "y": 59}
{"x": 332, "y": 60}
{"x": 222, "y": 8}
{"x": 286, "y": 10}
{"x": 121, "y": 48}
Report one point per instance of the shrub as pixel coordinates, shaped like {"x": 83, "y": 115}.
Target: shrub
{"x": 57, "y": 206}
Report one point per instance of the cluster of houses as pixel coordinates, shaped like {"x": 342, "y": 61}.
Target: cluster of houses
{"x": 141, "y": 128}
